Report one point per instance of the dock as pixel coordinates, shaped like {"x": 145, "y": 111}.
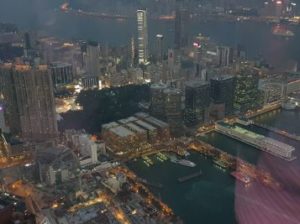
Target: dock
{"x": 189, "y": 177}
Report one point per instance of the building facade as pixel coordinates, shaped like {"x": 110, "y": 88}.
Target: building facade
{"x": 61, "y": 73}
{"x": 222, "y": 89}
{"x": 143, "y": 50}
{"x": 181, "y": 28}
{"x": 8, "y": 98}
{"x": 35, "y": 102}
{"x": 197, "y": 102}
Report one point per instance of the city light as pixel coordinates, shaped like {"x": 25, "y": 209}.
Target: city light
{"x": 120, "y": 113}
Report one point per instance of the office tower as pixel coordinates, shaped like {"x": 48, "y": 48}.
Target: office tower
{"x": 61, "y": 73}
{"x": 35, "y": 101}
{"x": 142, "y": 26}
{"x": 197, "y": 102}
{"x": 173, "y": 110}
{"x": 225, "y": 55}
{"x": 8, "y": 98}
{"x": 181, "y": 28}
{"x": 157, "y": 107}
{"x": 222, "y": 93}
{"x": 247, "y": 96}
{"x": 159, "y": 47}
{"x": 92, "y": 58}
{"x": 30, "y": 43}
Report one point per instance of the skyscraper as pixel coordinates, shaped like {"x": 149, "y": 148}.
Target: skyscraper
{"x": 142, "y": 26}
{"x": 157, "y": 107}
{"x": 197, "y": 101}
{"x": 92, "y": 59}
{"x": 225, "y": 55}
{"x": 247, "y": 95}
{"x": 222, "y": 92}
{"x": 159, "y": 47}
{"x": 173, "y": 110}
{"x": 181, "y": 28}
{"x": 61, "y": 73}
{"x": 35, "y": 101}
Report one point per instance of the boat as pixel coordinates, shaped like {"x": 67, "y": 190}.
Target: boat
{"x": 146, "y": 163}
{"x": 241, "y": 177}
{"x": 147, "y": 160}
{"x": 183, "y": 162}
{"x": 159, "y": 159}
{"x": 221, "y": 164}
{"x": 289, "y": 106}
{"x": 279, "y": 30}
{"x": 186, "y": 153}
{"x": 162, "y": 156}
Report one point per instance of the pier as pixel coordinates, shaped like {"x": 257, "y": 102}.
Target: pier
{"x": 261, "y": 142}
{"x": 189, "y": 177}
{"x": 144, "y": 181}
{"x": 278, "y": 131}
{"x": 239, "y": 165}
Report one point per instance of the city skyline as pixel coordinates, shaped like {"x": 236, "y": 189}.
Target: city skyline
{"x": 161, "y": 112}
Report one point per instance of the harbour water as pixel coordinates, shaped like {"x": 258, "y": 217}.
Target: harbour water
{"x": 45, "y": 16}
{"x": 214, "y": 197}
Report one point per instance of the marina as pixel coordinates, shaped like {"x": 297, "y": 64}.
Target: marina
{"x": 210, "y": 152}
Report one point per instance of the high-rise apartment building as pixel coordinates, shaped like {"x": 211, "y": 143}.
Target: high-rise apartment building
{"x": 35, "y": 101}
{"x": 8, "y": 98}
{"x": 142, "y": 26}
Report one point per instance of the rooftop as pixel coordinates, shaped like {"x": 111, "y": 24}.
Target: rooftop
{"x": 196, "y": 83}
{"x": 127, "y": 120}
{"x": 156, "y": 122}
{"x": 221, "y": 77}
{"x": 135, "y": 128}
{"x": 141, "y": 115}
{"x": 110, "y": 125}
{"x": 121, "y": 131}
{"x": 59, "y": 65}
{"x": 145, "y": 125}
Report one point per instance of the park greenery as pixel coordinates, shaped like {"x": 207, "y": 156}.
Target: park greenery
{"x": 103, "y": 106}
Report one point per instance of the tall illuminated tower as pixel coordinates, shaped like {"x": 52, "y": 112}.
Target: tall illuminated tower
{"x": 142, "y": 26}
